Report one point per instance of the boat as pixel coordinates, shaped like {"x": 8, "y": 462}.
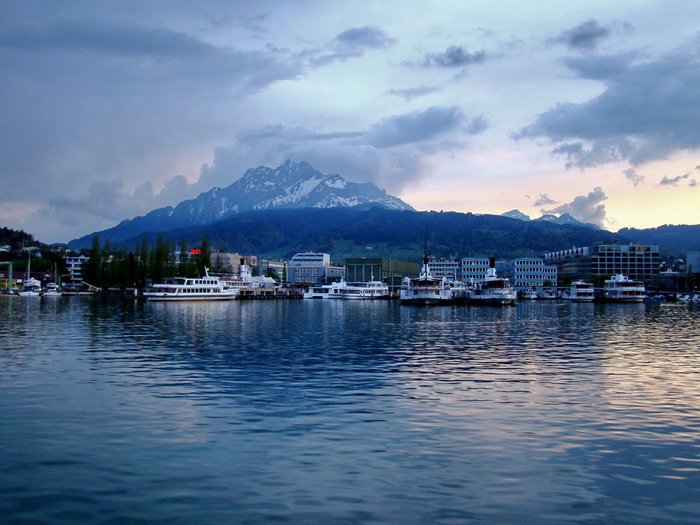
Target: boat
{"x": 50, "y": 290}
{"x": 493, "y": 290}
{"x": 31, "y": 287}
{"x": 426, "y": 289}
{"x": 206, "y": 288}
{"x": 529, "y": 294}
{"x": 547, "y": 294}
{"x": 359, "y": 290}
{"x": 621, "y": 289}
{"x": 579, "y": 291}
{"x": 345, "y": 290}
{"x": 319, "y": 291}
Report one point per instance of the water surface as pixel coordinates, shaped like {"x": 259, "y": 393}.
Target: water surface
{"x": 347, "y": 412}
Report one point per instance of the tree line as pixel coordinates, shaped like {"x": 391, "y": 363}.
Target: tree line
{"x": 110, "y": 266}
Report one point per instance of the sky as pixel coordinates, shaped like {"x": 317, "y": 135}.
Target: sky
{"x": 111, "y": 109}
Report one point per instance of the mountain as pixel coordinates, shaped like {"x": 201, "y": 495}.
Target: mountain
{"x": 379, "y": 232}
{"x": 678, "y": 239}
{"x": 566, "y": 218}
{"x": 516, "y": 214}
{"x": 291, "y": 185}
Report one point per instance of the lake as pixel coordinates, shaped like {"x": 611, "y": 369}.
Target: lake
{"x": 348, "y": 412}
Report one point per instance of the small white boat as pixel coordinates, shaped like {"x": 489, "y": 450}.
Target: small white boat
{"x": 579, "y": 291}
{"x": 494, "y": 290}
{"x": 426, "y": 289}
{"x": 50, "y": 290}
{"x": 319, "y": 291}
{"x": 530, "y": 294}
{"x": 30, "y": 288}
{"x": 621, "y": 289}
{"x": 191, "y": 289}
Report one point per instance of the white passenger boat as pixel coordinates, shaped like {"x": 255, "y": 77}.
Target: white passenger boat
{"x": 191, "y": 289}
{"x": 621, "y": 289}
{"x": 360, "y": 290}
{"x": 345, "y": 290}
{"x": 579, "y": 291}
{"x": 529, "y": 294}
{"x": 494, "y": 290}
{"x": 426, "y": 289}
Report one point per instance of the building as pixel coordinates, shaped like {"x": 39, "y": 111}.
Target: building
{"x": 389, "y": 271}
{"x": 76, "y": 267}
{"x": 637, "y": 261}
{"x": 313, "y": 268}
{"x": 223, "y": 262}
{"x": 268, "y": 267}
{"x": 530, "y": 272}
{"x": 473, "y": 269}
{"x": 446, "y": 267}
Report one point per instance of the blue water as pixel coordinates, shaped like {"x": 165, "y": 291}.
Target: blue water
{"x": 347, "y": 412}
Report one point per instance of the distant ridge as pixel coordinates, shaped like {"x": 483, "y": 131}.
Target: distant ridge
{"x": 564, "y": 218}
{"x": 291, "y": 185}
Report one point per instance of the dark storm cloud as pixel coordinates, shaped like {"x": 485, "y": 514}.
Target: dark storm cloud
{"x": 647, "y": 111}
{"x": 585, "y": 208}
{"x": 422, "y": 126}
{"x": 454, "y": 57}
{"x": 584, "y": 36}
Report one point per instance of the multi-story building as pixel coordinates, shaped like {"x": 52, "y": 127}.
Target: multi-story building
{"x": 446, "y": 267}
{"x": 530, "y": 272}
{"x": 473, "y": 269}
{"x": 76, "y": 267}
{"x": 636, "y": 261}
{"x": 232, "y": 262}
{"x": 313, "y": 268}
{"x": 364, "y": 269}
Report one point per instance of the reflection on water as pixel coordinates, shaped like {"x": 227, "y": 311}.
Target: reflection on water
{"x": 357, "y": 412}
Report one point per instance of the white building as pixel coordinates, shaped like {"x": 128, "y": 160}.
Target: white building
{"x": 76, "y": 268}
{"x": 447, "y": 268}
{"x": 473, "y": 269}
{"x": 530, "y": 272}
{"x": 313, "y": 268}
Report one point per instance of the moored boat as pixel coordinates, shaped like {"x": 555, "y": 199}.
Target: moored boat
{"x": 205, "y": 288}
{"x": 426, "y": 289}
{"x": 493, "y": 290}
{"x": 579, "y": 291}
{"x": 621, "y": 289}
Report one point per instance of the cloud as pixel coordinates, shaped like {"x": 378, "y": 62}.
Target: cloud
{"x": 635, "y": 178}
{"x": 392, "y": 152}
{"x": 412, "y": 93}
{"x": 584, "y": 36}
{"x": 454, "y": 57}
{"x": 675, "y": 181}
{"x": 422, "y": 126}
{"x": 351, "y": 43}
{"x": 544, "y": 200}
{"x": 646, "y": 111}
{"x": 585, "y": 208}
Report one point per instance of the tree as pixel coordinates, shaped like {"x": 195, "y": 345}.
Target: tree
{"x": 204, "y": 256}
{"x": 93, "y": 270}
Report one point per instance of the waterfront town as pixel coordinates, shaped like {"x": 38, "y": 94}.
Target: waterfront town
{"x": 99, "y": 271}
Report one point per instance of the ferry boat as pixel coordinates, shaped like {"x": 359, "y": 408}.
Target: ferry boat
{"x": 621, "y": 289}
{"x": 426, "y": 289}
{"x": 579, "y": 291}
{"x": 494, "y": 290}
{"x": 360, "y": 290}
{"x": 191, "y": 289}
{"x": 345, "y": 290}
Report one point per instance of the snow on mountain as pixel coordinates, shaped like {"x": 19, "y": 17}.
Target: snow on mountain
{"x": 516, "y": 214}
{"x": 291, "y": 185}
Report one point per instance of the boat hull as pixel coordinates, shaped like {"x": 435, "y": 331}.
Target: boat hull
{"x": 183, "y": 297}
